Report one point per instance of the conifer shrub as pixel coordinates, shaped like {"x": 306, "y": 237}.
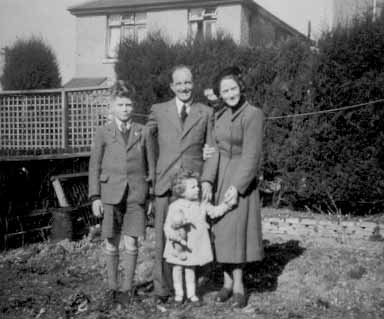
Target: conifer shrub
{"x": 30, "y": 64}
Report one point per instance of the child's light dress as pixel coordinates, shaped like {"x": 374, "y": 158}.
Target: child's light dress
{"x": 199, "y": 250}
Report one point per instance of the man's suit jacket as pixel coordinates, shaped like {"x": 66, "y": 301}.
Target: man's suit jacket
{"x": 180, "y": 146}
{"x": 116, "y": 164}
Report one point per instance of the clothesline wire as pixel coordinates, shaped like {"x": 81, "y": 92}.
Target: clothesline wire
{"x": 343, "y": 108}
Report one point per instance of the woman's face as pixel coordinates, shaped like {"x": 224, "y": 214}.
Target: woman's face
{"x": 230, "y": 92}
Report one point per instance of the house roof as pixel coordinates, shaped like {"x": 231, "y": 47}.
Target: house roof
{"x": 85, "y": 82}
{"x": 107, "y": 6}
{"x": 102, "y": 7}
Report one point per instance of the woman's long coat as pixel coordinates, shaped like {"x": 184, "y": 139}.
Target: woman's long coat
{"x": 238, "y": 135}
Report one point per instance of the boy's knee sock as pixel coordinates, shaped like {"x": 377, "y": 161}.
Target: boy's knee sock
{"x": 129, "y": 259}
{"x": 177, "y": 276}
{"x": 112, "y": 260}
{"x": 190, "y": 281}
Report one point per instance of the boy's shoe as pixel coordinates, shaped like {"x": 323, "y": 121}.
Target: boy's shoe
{"x": 108, "y": 301}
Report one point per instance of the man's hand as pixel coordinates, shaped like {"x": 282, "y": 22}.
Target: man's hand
{"x": 231, "y": 196}
{"x": 97, "y": 208}
{"x": 208, "y": 151}
{"x": 206, "y": 191}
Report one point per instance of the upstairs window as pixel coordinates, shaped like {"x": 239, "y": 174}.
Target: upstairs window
{"x": 131, "y": 26}
{"x": 379, "y": 7}
{"x": 202, "y": 23}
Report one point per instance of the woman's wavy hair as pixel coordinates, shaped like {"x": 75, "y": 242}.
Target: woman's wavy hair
{"x": 232, "y": 72}
{"x": 178, "y": 182}
{"x": 122, "y": 89}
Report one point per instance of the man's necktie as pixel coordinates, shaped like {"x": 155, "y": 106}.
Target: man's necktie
{"x": 183, "y": 113}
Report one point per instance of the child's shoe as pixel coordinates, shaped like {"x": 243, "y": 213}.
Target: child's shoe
{"x": 195, "y": 301}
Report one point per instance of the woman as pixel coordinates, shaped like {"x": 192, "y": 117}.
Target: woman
{"x": 238, "y": 132}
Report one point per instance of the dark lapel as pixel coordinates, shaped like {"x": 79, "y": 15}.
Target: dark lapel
{"x": 239, "y": 111}
{"x": 193, "y": 117}
{"x": 115, "y": 133}
{"x": 173, "y": 116}
{"x": 134, "y": 136}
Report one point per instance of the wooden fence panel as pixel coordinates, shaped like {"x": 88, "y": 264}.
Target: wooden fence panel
{"x": 41, "y": 122}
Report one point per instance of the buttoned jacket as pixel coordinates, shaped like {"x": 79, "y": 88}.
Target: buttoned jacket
{"x": 180, "y": 145}
{"x": 116, "y": 164}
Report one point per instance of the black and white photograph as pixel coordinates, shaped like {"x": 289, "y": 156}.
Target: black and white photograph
{"x": 190, "y": 159}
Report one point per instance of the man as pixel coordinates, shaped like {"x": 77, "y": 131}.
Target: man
{"x": 181, "y": 128}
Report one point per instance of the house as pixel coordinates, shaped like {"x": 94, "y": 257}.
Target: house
{"x": 102, "y": 24}
{"x": 345, "y": 10}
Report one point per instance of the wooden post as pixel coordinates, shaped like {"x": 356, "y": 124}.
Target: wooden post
{"x": 63, "y": 202}
{"x": 64, "y": 110}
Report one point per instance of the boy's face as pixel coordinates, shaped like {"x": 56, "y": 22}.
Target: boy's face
{"x": 121, "y": 108}
{"x": 191, "y": 189}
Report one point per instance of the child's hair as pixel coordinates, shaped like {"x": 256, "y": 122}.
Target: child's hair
{"x": 178, "y": 183}
{"x": 122, "y": 89}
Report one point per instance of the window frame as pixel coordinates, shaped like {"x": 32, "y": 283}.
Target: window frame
{"x": 124, "y": 21}
{"x": 200, "y": 18}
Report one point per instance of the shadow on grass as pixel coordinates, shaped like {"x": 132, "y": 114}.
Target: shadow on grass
{"x": 261, "y": 276}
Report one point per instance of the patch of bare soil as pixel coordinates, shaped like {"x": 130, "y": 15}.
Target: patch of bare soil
{"x": 296, "y": 279}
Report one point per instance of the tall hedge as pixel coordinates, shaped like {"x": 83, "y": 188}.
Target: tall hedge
{"x": 327, "y": 162}
{"x": 349, "y": 71}
{"x": 30, "y": 64}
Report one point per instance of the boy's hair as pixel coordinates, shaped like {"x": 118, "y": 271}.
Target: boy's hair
{"x": 122, "y": 89}
{"x": 178, "y": 183}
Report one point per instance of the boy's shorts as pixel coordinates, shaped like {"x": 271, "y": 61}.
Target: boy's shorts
{"x": 125, "y": 219}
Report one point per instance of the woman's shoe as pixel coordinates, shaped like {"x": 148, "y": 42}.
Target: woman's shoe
{"x": 223, "y": 295}
{"x": 239, "y": 300}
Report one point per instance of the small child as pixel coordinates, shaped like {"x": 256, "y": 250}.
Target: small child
{"x": 186, "y": 230}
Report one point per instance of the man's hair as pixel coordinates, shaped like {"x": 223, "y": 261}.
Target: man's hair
{"x": 122, "y": 89}
{"x": 177, "y": 68}
{"x": 178, "y": 182}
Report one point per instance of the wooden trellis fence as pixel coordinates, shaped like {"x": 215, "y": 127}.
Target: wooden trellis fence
{"x": 50, "y": 122}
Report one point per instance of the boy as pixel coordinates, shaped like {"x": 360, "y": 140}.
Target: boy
{"x": 120, "y": 168}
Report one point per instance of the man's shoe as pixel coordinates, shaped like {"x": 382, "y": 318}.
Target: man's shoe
{"x": 126, "y": 298}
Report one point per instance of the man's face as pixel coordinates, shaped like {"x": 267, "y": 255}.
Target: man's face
{"x": 182, "y": 84}
{"x": 122, "y": 108}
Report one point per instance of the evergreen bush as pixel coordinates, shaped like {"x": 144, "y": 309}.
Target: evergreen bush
{"x": 30, "y": 64}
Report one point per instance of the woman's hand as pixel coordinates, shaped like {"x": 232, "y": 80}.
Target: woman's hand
{"x": 231, "y": 196}
{"x": 208, "y": 152}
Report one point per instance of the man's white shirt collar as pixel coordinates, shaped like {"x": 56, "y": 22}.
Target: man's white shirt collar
{"x": 179, "y": 105}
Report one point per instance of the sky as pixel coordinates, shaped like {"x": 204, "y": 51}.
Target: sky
{"x": 50, "y": 20}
